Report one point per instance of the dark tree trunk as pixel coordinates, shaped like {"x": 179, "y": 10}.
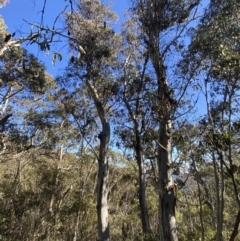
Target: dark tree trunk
{"x": 167, "y": 200}
{"x": 236, "y": 227}
{"x": 141, "y": 176}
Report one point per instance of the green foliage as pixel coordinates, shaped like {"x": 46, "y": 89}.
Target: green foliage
{"x": 218, "y": 42}
{"x": 22, "y": 70}
{"x": 49, "y": 131}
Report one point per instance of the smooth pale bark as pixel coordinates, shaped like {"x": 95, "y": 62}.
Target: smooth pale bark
{"x": 102, "y": 185}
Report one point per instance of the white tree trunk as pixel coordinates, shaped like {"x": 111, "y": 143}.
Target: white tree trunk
{"x": 102, "y": 186}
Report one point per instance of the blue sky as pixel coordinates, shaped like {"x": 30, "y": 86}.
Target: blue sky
{"x": 17, "y": 10}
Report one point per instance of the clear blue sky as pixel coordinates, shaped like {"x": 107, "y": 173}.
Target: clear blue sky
{"x": 17, "y": 10}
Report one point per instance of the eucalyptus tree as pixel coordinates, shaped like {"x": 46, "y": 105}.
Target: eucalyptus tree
{"x": 215, "y": 48}
{"x": 137, "y": 100}
{"x": 23, "y": 82}
{"x": 205, "y": 189}
{"x": 94, "y": 45}
{"x": 156, "y": 17}
{"x": 24, "y": 133}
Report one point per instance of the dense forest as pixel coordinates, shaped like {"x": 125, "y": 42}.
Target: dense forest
{"x": 136, "y": 138}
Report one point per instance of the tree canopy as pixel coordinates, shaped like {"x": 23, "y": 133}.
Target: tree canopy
{"x": 136, "y": 137}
